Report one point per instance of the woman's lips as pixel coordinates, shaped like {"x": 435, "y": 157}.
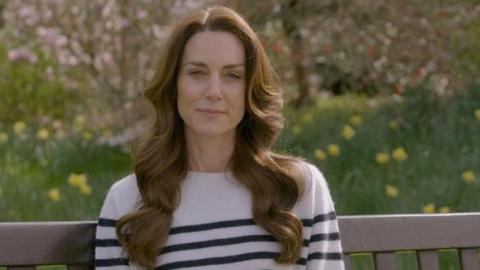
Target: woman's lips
{"x": 211, "y": 113}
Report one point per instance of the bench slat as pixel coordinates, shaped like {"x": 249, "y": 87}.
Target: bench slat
{"x": 428, "y": 260}
{"x": 39, "y": 243}
{"x": 348, "y": 262}
{"x": 25, "y": 244}
{"x": 469, "y": 259}
{"x": 377, "y": 233}
{"x": 384, "y": 261}
{"x": 80, "y": 267}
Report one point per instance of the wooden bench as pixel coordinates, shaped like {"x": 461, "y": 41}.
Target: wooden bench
{"x": 23, "y": 245}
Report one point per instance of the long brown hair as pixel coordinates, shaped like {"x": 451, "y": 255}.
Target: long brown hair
{"x": 161, "y": 162}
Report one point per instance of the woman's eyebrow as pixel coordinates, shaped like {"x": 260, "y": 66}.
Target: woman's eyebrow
{"x": 234, "y": 65}
{"x": 194, "y": 63}
{"x": 202, "y": 64}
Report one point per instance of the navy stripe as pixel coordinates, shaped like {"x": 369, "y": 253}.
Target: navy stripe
{"x": 243, "y": 239}
{"x": 319, "y": 218}
{"x": 245, "y": 257}
{"x": 243, "y": 222}
{"x": 325, "y": 217}
{"x": 218, "y": 242}
{"x": 324, "y": 236}
{"x": 221, "y": 242}
{"x": 111, "y": 262}
{"x": 333, "y": 256}
{"x": 106, "y": 222}
{"x": 107, "y": 243}
{"x": 222, "y": 260}
{"x": 223, "y": 224}
{"x": 212, "y": 225}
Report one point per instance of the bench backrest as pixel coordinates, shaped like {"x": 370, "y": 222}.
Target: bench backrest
{"x": 23, "y": 245}
{"x": 382, "y": 235}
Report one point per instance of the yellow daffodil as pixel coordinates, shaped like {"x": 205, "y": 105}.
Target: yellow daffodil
{"x": 444, "y": 209}
{"x": 77, "y": 180}
{"x": 85, "y": 189}
{"x": 79, "y": 122}
{"x": 19, "y": 127}
{"x": 382, "y": 158}
{"x": 3, "y": 137}
{"x": 399, "y": 154}
{"x": 87, "y": 135}
{"x": 319, "y": 154}
{"x": 356, "y": 120}
{"x": 333, "y": 150}
{"x": 477, "y": 114}
{"x": 393, "y": 124}
{"x": 391, "y": 191}
{"x": 429, "y": 208}
{"x": 348, "y": 132}
{"x": 296, "y": 130}
{"x": 54, "y": 194}
{"x": 307, "y": 118}
{"x": 42, "y": 134}
{"x": 79, "y": 119}
{"x": 468, "y": 176}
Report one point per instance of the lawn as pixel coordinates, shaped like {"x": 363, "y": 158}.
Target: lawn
{"x": 385, "y": 154}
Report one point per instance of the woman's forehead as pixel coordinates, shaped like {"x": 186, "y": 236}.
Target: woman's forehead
{"x": 214, "y": 48}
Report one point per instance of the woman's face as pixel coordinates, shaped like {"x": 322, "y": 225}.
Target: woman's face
{"x": 211, "y": 84}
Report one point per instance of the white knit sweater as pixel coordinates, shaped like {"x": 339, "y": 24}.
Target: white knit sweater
{"x": 213, "y": 229}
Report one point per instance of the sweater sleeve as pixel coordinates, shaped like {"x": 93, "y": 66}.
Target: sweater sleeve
{"x": 108, "y": 251}
{"x": 324, "y": 247}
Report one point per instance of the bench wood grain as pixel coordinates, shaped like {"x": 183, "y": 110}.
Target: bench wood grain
{"x": 24, "y": 245}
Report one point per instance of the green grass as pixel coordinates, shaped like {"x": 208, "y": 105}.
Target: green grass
{"x": 439, "y": 135}
{"x": 29, "y": 168}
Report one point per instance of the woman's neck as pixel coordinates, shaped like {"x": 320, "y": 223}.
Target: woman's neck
{"x": 209, "y": 154}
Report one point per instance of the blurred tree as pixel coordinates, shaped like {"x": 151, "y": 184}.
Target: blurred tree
{"x": 366, "y": 46}
{"x": 2, "y": 6}
{"x": 107, "y": 50}
{"x": 291, "y": 13}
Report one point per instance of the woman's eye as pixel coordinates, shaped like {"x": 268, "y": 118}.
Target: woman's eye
{"x": 196, "y": 73}
{"x": 233, "y": 76}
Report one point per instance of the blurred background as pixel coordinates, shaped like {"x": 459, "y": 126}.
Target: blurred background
{"x": 383, "y": 96}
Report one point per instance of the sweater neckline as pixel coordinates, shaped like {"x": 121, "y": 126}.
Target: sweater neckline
{"x": 208, "y": 175}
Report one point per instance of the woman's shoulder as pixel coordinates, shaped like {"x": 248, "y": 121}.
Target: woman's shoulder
{"x": 316, "y": 196}
{"x": 124, "y": 194}
{"x": 311, "y": 174}
{"x": 125, "y": 185}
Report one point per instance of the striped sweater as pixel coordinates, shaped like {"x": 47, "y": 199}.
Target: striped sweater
{"x": 213, "y": 228}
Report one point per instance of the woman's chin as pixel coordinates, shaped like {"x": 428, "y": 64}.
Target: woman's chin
{"x": 212, "y": 132}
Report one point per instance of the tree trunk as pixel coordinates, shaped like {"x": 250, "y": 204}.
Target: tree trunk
{"x": 291, "y": 13}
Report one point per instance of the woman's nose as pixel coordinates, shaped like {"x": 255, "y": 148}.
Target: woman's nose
{"x": 214, "y": 88}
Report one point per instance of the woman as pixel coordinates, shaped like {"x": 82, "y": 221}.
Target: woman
{"x": 207, "y": 191}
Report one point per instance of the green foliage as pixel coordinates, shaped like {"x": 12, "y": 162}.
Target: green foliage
{"x": 30, "y": 168}
{"x": 27, "y": 94}
{"x": 439, "y": 135}
{"x": 468, "y": 59}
